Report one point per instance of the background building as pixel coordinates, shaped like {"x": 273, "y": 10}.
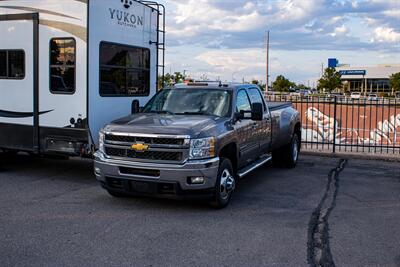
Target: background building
{"x": 372, "y": 79}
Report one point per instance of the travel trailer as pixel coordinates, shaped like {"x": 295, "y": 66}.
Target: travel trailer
{"x": 69, "y": 67}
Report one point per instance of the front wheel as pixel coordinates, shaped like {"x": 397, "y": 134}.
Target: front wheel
{"x": 225, "y": 184}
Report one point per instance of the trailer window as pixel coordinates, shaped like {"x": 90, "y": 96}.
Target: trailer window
{"x": 124, "y": 70}
{"x": 12, "y": 64}
{"x": 3, "y": 64}
{"x": 62, "y": 65}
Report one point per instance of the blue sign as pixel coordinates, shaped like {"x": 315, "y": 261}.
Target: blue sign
{"x": 332, "y": 62}
{"x": 353, "y": 72}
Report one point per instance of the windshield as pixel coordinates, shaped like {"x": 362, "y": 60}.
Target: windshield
{"x": 190, "y": 102}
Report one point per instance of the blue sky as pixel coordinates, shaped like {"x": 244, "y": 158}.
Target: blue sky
{"x": 226, "y": 39}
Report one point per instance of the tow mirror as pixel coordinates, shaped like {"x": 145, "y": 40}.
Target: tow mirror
{"x": 257, "y": 111}
{"x": 135, "y": 106}
{"x": 237, "y": 116}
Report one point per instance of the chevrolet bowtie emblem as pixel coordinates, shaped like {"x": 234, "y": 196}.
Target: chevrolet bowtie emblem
{"x": 139, "y": 147}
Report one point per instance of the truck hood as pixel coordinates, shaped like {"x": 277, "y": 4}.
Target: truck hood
{"x": 147, "y": 123}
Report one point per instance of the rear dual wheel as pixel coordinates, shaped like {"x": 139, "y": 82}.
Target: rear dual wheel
{"x": 288, "y": 155}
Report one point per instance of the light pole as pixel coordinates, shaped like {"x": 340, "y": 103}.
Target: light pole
{"x": 267, "y": 64}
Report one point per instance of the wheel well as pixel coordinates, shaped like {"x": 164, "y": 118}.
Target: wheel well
{"x": 229, "y": 151}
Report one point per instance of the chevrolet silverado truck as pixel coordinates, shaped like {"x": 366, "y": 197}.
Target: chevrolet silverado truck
{"x": 196, "y": 140}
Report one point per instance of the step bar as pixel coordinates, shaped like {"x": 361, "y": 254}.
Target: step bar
{"x": 258, "y": 163}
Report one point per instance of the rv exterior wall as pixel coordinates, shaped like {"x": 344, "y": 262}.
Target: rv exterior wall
{"x": 59, "y": 19}
{"x": 114, "y": 22}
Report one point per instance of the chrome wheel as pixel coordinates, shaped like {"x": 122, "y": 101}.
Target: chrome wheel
{"x": 227, "y": 184}
{"x": 295, "y": 149}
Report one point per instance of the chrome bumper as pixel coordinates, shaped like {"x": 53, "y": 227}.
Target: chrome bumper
{"x": 174, "y": 173}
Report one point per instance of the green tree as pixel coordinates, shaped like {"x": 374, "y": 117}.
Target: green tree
{"x": 179, "y": 77}
{"x": 330, "y": 80}
{"x": 302, "y": 87}
{"x": 282, "y": 84}
{"x": 255, "y": 82}
{"x": 167, "y": 80}
{"x": 395, "y": 82}
{"x": 259, "y": 83}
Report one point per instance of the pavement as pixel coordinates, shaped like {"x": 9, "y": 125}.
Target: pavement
{"x": 326, "y": 211}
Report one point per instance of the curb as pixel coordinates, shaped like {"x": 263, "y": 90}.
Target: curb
{"x": 394, "y": 158}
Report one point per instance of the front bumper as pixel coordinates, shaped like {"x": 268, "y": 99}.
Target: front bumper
{"x": 146, "y": 178}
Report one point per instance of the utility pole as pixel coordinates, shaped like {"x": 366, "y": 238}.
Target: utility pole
{"x": 322, "y": 69}
{"x": 267, "y": 63}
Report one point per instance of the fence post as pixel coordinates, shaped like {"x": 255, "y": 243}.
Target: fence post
{"x": 334, "y": 123}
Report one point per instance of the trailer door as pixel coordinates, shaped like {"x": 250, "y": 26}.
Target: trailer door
{"x": 18, "y": 82}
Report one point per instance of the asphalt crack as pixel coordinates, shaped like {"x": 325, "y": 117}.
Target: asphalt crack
{"x": 318, "y": 249}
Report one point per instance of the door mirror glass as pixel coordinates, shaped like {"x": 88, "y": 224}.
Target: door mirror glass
{"x": 257, "y": 111}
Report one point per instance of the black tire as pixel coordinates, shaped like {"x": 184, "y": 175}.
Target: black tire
{"x": 223, "y": 191}
{"x": 117, "y": 194}
{"x": 7, "y": 152}
{"x": 288, "y": 155}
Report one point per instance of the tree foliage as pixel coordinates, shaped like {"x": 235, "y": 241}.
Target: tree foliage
{"x": 395, "y": 81}
{"x": 302, "y": 87}
{"x": 170, "y": 79}
{"x": 330, "y": 80}
{"x": 282, "y": 84}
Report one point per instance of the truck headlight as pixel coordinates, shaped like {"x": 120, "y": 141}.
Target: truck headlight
{"x": 202, "y": 148}
{"x": 101, "y": 141}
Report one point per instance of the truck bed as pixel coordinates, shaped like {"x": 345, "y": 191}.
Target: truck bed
{"x": 278, "y": 105}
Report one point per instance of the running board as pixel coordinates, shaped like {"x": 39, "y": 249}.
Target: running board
{"x": 258, "y": 163}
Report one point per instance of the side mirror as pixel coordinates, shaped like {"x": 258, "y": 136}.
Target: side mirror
{"x": 135, "y": 106}
{"x": 237, "y": 116}
{"x": 257, "y": 112}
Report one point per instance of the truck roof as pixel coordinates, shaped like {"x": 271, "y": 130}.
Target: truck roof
{"x": 213, "y": 85}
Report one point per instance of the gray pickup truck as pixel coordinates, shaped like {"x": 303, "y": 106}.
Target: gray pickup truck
{"x": 196, "y": 140}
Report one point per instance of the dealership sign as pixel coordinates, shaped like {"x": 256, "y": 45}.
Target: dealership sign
{"x": 352, "y": 72}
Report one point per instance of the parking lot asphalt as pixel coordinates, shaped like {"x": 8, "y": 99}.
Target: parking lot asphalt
{"x": 53, "y": 213}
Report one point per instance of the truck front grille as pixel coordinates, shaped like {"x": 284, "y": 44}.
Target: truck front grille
{"x": 146, "y": 140}
{"x": 161, "y": 149}
{"x": 150, "y": 155}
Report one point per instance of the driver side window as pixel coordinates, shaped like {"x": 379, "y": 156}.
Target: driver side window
{"x": 242, "y": 101}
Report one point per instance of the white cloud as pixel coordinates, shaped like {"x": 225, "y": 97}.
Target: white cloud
{"x": 385, "y": 34}
{"x": 340, "y": 31}
{"x": 221, "y": 37}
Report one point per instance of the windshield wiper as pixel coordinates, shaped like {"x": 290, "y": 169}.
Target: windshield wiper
{"x": 162, "y": 112}
{"x": 191, "y": 113}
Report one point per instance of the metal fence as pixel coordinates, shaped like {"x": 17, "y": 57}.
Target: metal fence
{"x": 342, "y": 124}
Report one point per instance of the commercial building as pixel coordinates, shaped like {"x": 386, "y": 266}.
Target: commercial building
{"x": 371, "y": 79}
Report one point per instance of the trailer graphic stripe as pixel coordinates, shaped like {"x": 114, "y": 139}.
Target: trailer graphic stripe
{"x": 14, "y": 114}
{"x": 73, "y": 29}
{"x": 38, "y": 10}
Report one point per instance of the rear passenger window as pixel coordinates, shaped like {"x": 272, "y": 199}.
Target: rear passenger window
{"x": 12, "y": 64}
{"x": 62, "y": 65}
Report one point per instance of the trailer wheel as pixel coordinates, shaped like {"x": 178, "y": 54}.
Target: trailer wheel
{"x": 225, "y": 185}
{"x": 288, "y": 155}
{"x": 8, "y": 152}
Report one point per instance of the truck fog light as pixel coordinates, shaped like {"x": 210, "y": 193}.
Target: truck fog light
{"x": 97, "y": 171}
{"x": 196, "y": 180}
